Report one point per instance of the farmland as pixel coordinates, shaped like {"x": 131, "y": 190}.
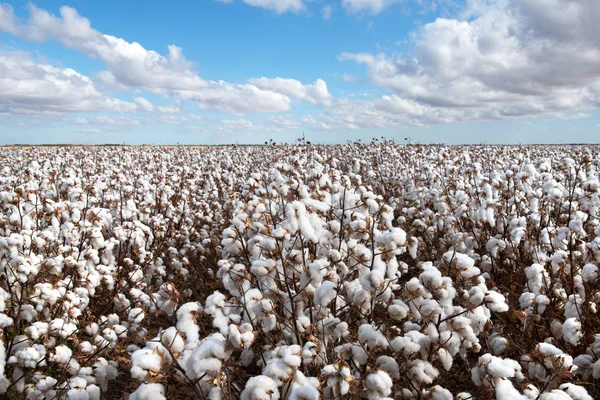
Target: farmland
{"x": 363, "y": 270}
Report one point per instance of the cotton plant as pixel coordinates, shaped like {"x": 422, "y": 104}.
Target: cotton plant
{"x": 300, "y": 271}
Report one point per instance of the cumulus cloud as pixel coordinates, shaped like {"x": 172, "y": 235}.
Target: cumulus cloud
{"x": 168, "y": 109}
{"x": 327, "y": 11}
{"x": 106, "y": 120}
{"x": 131, "y": 66}
{"x": 368, "y": 6}
{"x": 277, "y": 6}
{"x": 500, "y": 61}
{"x": 39, "y": 88}
{"x": 144, "y": 103}
{"x": 315, "y": 93}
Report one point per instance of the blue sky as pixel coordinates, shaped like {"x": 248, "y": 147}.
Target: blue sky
{"x": 226, "y": 71}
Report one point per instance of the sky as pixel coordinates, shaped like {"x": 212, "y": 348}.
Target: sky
{"x": 250, "y": 71}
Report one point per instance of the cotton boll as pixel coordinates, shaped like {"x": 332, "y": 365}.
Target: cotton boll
{"x": 136, "y": 315}
{"x": 440, "y": 393}
{"x": 207, "y": 359}
{"x": 379, "y": 385}
{"x": 389, "y": 365}
{"x": 144, "y": 362}
{"x": 576, "y": 392}
{"x": 571, "y": 331}
{"x": 398, "y": 310}
{"x": 171, "y": 339}
{"x": 445, "y": 358}
{"x": 149, "y": 391}
{"x": 260, "y": 388}
{"x": 498, "y": 344}
{"x": 589, "y": 273}
{"x": 370, "y": 336}
{"x": 495, "y": 301}
{"x": 325, "y": 293}
{"x": 422, "y": 371}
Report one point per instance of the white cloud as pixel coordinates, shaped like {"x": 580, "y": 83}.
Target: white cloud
{"x": 327, "y": 11}
{"x": 368, "y": 6}
{"x": 131, "y": 66}
{"x": 144, "y": 103}
{"x": 106, "y": 120}
{"x": 168, "y": 109}
{"x": 573, "y": 116}
{"x": 277, "y": 6}
{"x": 7, "y": 19}
{"x": 37, "y": 88}
{"x": 315, "y": 93}
{"x": 500, "y": 61}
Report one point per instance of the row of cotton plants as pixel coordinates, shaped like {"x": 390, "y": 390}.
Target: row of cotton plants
{"x": 365, "y": 270}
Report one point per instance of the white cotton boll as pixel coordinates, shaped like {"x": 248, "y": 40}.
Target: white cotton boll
{"x": 398, "y": 310}
{"x": 389, "y": 365}
{"x": 144, "y": 362}
{"x": 149, "y": 391}
{"x": 517, "y": 234}
{"x": 4, "y": 382}
{"x": 86, "y": 347}
{"x": 572, "y": 306}
{"x": 260, "y": 388}
{"x": 325, "y": 293}
{"x": 405, "y": 345}
{"x": 526, "y": 300}
{"x": 571, "y": 331}
{"x": 495, "y": 301}
{"x": 576, "y": 226}
{"x": 575, "y": 391}
{"x": 171, "y": 339}
{"x": 136, "y": 315}
{"x": 440, "y": 393}
{"x": 589, "y": 273}
{"x": 378, "y": 385}
{"x": 247, "y": 357}
{"x": 94, "y": 392}
{"x": 506, "y": 391}
{"x": 445, "y": 358}
{"x": 596, "y": 369}
{"x": 498, "y": 344}
{"x": 62, "y": 354}
{"x": 207, "y": 359}
{"x": 367, "y": 334}
{"x": 422, "y": 371}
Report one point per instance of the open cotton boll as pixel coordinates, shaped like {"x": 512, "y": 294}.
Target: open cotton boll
{"x": 207, "y": 359}
{"x": 505, "y": 390}
{"x": 149, "y": 391}
{"x": 325, "y": 293}
{"x": 422, "y": 371}
{"x": 490, "y": 369}
{"x": 440, "y": 393}
{"x": 571, "y": 331}
{"x": 379, "y": 385}
{"x": 495, "y": 301}
{"x": 398, "y": 310}
{"x": 576, "y": 392}
{"x": 369, "y": 335}
{"x": 389, "y": 365}
{"x": 498, "y": 344}
{"x": 589, "y": 273}
{"x": 144, "y": 362}
{"x": 260, "y": 388}
{"x": 285, "y": 360}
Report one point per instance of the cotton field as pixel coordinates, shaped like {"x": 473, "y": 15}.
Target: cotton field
{"x": 356, "y": 271}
